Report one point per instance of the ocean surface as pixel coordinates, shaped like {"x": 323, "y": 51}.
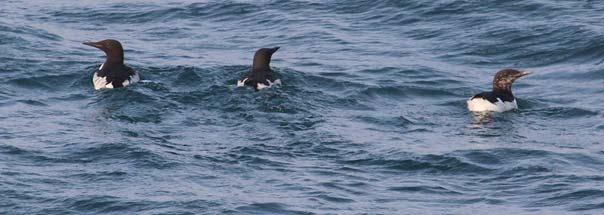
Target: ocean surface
{"x": 370, "y": 119}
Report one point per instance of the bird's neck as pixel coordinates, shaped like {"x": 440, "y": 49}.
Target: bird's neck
{"x": 114, "y": 59}
{"x": 261, "y": 63}
{"x": 502, "y": 89}
{"x": 261, "y": 68}
{"x": 110, "y": 66}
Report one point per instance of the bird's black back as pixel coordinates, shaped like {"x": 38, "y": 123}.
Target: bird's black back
{"x": 492, "y": 96}
{"x": 259, "y": 76}
{"x": 116, "y": 74}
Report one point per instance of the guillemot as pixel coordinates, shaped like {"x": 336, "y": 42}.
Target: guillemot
{"x": 260, "y": 76}
{"x": 500, "y": 99}
{"x": 113, "y": 73}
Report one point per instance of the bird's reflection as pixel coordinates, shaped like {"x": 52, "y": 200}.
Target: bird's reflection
{"x": 479, "y": 119}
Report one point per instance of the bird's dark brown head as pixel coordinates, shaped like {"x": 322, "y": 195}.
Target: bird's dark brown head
{"x": 262, "y": 58}
{"x": 112, "y": 48}
{"x": 505, "y": 78}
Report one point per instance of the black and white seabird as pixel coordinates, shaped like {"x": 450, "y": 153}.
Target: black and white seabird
{"x": 500, "y": 99}
{"x": 260, "y": 76}
{"x": 113, "y": 73}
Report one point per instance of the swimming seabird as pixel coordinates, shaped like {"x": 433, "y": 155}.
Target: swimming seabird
{"x": 113, "y": 73}
{"x": 500, "y": 99}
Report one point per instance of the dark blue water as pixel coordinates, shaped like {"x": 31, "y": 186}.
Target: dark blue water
{"x": 371, "y": 118}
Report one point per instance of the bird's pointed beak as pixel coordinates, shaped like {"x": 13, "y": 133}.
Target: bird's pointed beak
{"x": 273, "y": 50}
{"x": 93, "y": 44}
{"x": 524, "y": 73}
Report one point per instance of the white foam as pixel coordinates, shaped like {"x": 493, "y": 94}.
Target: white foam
{"x": 270, "y": 84}
{"x": 277, "y": 82}
{"x": 241, "y": 83}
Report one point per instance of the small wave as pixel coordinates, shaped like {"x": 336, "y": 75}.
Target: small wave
{"x": 427, "y": 163}
{"x": 268, "y": 208}
{"x": 571, "y": 197}
{"x": 46, "y": 82}
{"x": 101, "y": 175}
{"x": 218, "y": 10}
{"x": 117, "y": 13}
{"x": 13, "y": 150}
{"x": 403, "y": 92}
{"x": 23, "y": 33}
{"x": 33, "y": 102}
{"x": 424, "y": 189}
{"x": 102, "y": 153}
{"x": 564, "y": 112}
{"x": 101, "y": 204}
{"x": 257, "y": 156}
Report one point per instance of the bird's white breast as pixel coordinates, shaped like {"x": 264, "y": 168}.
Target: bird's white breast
{"x": 101, "y": 82}
{"x": 480, "y": 104}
